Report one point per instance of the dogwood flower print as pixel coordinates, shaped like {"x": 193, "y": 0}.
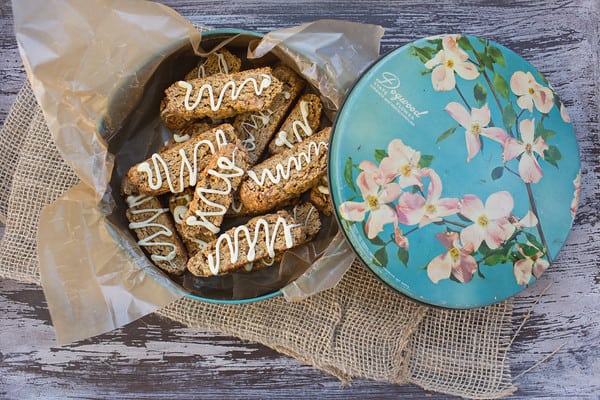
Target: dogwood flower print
{"x": 524, "y": 268}
{"x": 457, "y": 261}
{"x": 413, "y": 208}
{"x": 529, "y": 168}
{"x": 446, "y": 62}
{"x": 531, "y": 93}
{"x": 402, "y": 162}
{"x": 491, "y": 222}
{"x": 375, "y": 198}
{"x": 373, "y": 172}
{"x": 476, "y": 125}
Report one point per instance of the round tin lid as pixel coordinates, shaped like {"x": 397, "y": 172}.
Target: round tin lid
{"x": 454, "y": 171}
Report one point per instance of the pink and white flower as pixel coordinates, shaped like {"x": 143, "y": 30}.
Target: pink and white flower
{"x": 457, "y": 261}
{"x": 399, "y": 238}
{"x": 375, "y": 198}
{"x": 447, "y": 61}
{"x": 413, "y": 208}
{"x": 402, "y": 162}
{"x": 531, "y": 93}
{"x": 524, "y": 268}
{"x": 476, "y": 125}
{"x": 492, "y": 223}
{"x": 529, "y": 169}
{"x": 374, "y": 172}
{"x": 576, "y": 194}
{"x": 528, "y": 221}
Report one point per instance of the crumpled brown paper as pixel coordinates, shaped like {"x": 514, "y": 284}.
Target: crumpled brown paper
{"x": 80, "y": 58}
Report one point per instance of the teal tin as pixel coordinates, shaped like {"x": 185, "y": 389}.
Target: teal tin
{"x": 454, "y": 171}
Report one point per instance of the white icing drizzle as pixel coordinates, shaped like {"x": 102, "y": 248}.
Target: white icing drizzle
{"x": 180, "y": 138}
{"x": 224, "y": 164}
{"x": 155, "y": 180}
{"x": 201, "y": 243}
{"x": 282, "y": 136}
{"x": 223, "y": 67}
{"x": 134, "y": 201}
{"x": 296, "y": 161}
{"x": 261, "y": 117}
{"x": 180, "y": 210}
{"x": 214, "y": 260}
{"x": 230, "y": 85}
{"x": 235, "y": 206}
{"x": 324, "y": 189}
{"x": 305, "y": 223}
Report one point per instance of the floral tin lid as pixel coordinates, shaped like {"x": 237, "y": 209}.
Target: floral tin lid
{"x": 454, "y": 171}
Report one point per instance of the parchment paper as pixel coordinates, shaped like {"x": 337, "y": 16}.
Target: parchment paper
{"x": 80, "y": 57}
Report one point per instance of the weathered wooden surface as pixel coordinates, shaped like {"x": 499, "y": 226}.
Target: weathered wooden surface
{"x": 156, "y": 358}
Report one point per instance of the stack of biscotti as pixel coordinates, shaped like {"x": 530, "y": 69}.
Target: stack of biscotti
{"x": 230, "y": 192}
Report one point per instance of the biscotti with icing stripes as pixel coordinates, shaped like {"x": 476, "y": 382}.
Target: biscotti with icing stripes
{"x": 303, "y": 121}
{"x": 219, "y": 62}
{"x": 175, "y": 169}
{"x": 222, "y": 95}
{"x": 255, "y": 129}
{"x": 287, "y": 174}
{"x": 214, "y": 193}
{"x": 156, "y": 233}
{"x": 319, "y": 196}
{"x": 260, "y": 237}
{"x": 178, "y": 205}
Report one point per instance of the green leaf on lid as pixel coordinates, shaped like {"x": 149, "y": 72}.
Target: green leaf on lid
{"x": 501, "y": 85}
{"x": 480, "y": 94}
{"x": 446, "y": 134}
{"x": 348, "y": 174}
{"x": 509, "y": 117}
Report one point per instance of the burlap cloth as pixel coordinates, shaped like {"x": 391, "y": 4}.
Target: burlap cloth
{"x": 361, "y": 328}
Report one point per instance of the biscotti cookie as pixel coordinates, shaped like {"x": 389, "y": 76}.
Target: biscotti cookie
{"x": 307, "y": 215}
{"x": 259, "y": 238}
{"x": 171, "y": 119}
{"x": 156, "y": 233}
{"x": 237, "y": 209}
{"x": 222, "y": 95}
{"x": 255, "y": 129}
{"x": 214, "y": 193}
{"x": 319, "y": 196}
{"x": 303, "y": 121}
{"x": 304, "y": 214}
{"x": 190, "y": 131}
{"x": 219, "y": 62}
{"x": 178, "y": 205}
{"x": 175, "y": 169}
{"x": 287, "y": 174}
